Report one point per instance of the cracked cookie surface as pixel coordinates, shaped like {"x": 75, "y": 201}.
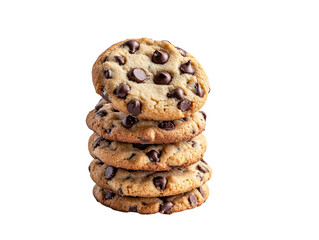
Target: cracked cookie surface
{"x": 149, "y": 184}
{"x": 150, "y": 79}
{"x": 117, "y": 126}
{"x": 153, "y": 157}
{"x": 167, "y": 205}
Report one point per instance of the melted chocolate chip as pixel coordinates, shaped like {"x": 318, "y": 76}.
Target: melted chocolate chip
{"x": 120, "y": 192}
{"x": 108, "y": 195}
{"x": 140, "y": 146}
{"x": 107, "y": 73}
{"x": 162, "y": 78}
{"x": 110, "y": 172}
{"x": 176, "y": 93}
{"x": 200, "y": 189}
{"x": 192, "y": 200}
{"x": 129, "y": 121}
{"x": 132, "y": 45}
{"x": 153, "y": 156}
{"x": 101, "y": 113}
{"x": 137, "y": 75}
{"x": 98, "y": 107}
{"x": 97, "y": 142}
{"x": 184, "y": 104}
{"x": 166, "y": 125}
{"x": 202, "y": 168}
{"x": 204, "y": 114}
{"x": 160, "y": 57}
{"x": 122, "y": 90}
{"x": 144, "y": 139}
{"x": 160, "y": 182}
{"x": 134, "y": 107}
{"x": 198, "y": 90}
{"x": 133, "y": 208}
{"x": 165, "y": 207}
{"x": 181, "y": 51}
{"x": 120, "y": 60}
{"x": 187, "y": 68}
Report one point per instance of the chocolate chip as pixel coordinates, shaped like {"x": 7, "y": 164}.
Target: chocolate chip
{"x": 98, "y": 107}
{"x": 153, "y": 156}
{"x": 185, "y": 119}
{"x": 200, "y": 189}
{"x": 193, "y": 132}
{"x": 166, "y": 125}
{"x": 137, "y": 75}
{"x": 129, "y": 121}
{"x": 193, "y": 143}
{"x": 101, "y": 113}
{"x": 120, "y": 60}
{"x": 134, "y": 107}
{"x": 176, "y": 93}
{"x": 181, "y": 51}
{"x": 202, "y": 168}
{"x": 184, "y": 104}
{"x": 133, "y": 154}
{"x": 198, "y": 90}
{"x": 160, "y": 57}
{"x": 203, "y": 161}
{"x": 105, "y": 96}
{"x": 140, "y": 146}
{"x": 160, "y": 182}
{"x": 115, "y": 110}
{"x": 97, "y": 142}
{"x": 108, "y": 195}
{"x": 133, "y": 208}
{"x": 132, "y": 45}
{"x": 120, "y": 192}
{"x": 187, "y": 68}
{"x": 204, "y": 114}
{"x": 99, "y": 161}
{"x": 110, "y": 172}
{"x": 109, "y": 130}
{"x": 89, "y": 168}
{"x": 122, "y": 90}
{"x": 144, "y": 139}
{"x": 200, "y": 176}
{"x": 107, "y": 73}
{"x": 162, "y": 78}
{"x": 165, "y": 207}
{"x": 192, "y": 200}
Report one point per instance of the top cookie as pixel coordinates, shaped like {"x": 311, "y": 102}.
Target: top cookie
{"x": 150, "y": 79}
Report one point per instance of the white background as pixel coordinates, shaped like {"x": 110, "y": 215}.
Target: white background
{"x": 262, "y": 58}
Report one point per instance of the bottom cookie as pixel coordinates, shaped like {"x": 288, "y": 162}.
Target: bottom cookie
{"x": 142, "y": 205}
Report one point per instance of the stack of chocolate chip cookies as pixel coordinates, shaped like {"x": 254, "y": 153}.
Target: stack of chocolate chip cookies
{"x": 147, "y": 143}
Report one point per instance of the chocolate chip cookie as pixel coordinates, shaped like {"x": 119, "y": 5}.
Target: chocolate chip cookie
{"x": 165, "y": 205}
{"x": 117, "y": 126}
{"x": 149, "y": 184}
{"x": 136, "y": 156}
{"x": 150, "y": 79}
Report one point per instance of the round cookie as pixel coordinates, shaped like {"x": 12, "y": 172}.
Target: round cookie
{"x": 117, "y": 126}
{"x": 167, "y": 205}
{"x": 160, "y": 157}
{"x": 150, "y": 79}
{"x": 149, "y": 184}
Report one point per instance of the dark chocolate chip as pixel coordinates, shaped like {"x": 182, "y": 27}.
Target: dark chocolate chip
{"x": 187, "y": 68}
{"x": 165, "y": 207}
{"x": 132, "y": 45}
{"x": 133, "y": 154}
{"x": 105, "y": 96}
{"x": 134, "y": 107}
{"x": 109, "y": 130}
{"x": 162, "y": 78}
{"x": 101, "y": 113}
{"x": 198, "y": 90}
{"x": 153, "y": 156}
{"x": 204, "y": 114}
{"x": 137, "y": 75}
{"x": 184, "y": 104}
{"x": 98, "y": 107}
{"x": 129, "y": 121}
{"x": 203, "y": 161}
{"x": 97, "y": 142}
{"x": 181, "y": 51}
{"x": 185, "y": 119}
{"x": 120, "y": 60}
{"x": 160, "y": 182}
{"x": 106, "y": 58}
{"x": 107, "y": 73}
{"x": 200, "y": 189}
{"x": 115, "y": 110}
{"x": 202, "y": 168}
{"x": 140, "y": 146}
{"x": 122, "y": 90}
{"x": 133, "y": 208}
{"x": 200, "y": 176}
{"x": 120, "y": 192}
{"x": 108, "y": 195}
{"x": 110, "y": 172}
{"x": 89, "y": 168}
{"x": 144, "y": 139}
{"x": 193, "y": 143}
{"x": 166, "y": 125}
{"x": 176, "y": 93}
{"x": 193, "y": 132}
{"x": 192, "y": 200}
{"x": 160, "y": 57}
